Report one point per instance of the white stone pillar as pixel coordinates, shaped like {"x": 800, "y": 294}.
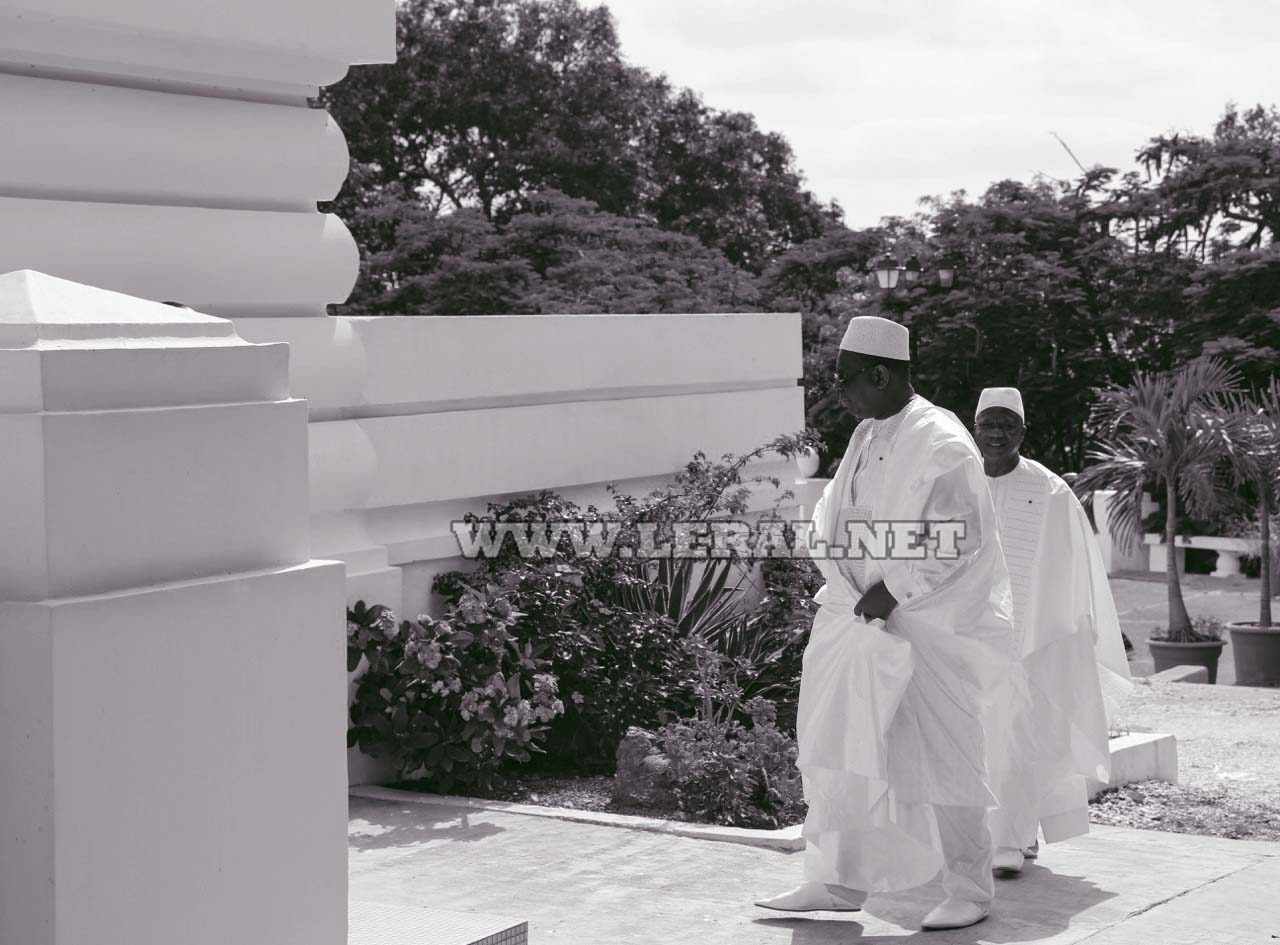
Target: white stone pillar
{"x": 1115, "y": 556}
{"x": 167, "y": 149}
{"x": 172, "y": 672}
{"x": 1228, "y": 564}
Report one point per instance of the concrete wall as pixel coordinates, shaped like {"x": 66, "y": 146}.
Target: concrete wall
{"x": 430, "y": 418}
{"x": 166, "y": 150}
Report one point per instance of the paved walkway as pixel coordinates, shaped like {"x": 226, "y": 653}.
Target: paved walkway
{"x": 582, "y": 884}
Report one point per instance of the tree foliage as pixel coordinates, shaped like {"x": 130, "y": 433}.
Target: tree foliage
{"x": 1219, "y": 193}
{"x": 489, "y": 100}
{"x": 560, "y": 255}
{"x": 492, "y": 101}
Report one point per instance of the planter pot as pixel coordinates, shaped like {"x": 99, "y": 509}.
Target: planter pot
{"x": 807, "y": 463}
{"x": 1168, "y": 655}
{"x": 1256, "y": 651}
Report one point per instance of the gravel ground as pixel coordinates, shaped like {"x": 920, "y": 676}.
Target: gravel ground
{"x": 1180, "y": 808}
{"x": 1228, "y": 736}
{"x": 1228, "y": 762}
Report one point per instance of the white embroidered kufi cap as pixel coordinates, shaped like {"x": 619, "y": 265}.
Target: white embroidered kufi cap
{"x": 878, "y": 337}
{"x": 1010, "y": 398}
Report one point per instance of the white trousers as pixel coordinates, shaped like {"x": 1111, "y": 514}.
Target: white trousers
{"x": 967, "y": 853}
{"x": 966, "y": 847}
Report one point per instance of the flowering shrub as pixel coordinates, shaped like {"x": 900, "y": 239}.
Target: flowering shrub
{"x": 368, "y": 627}
{"x": 623, "y": 633}
{"x": 728, "y": 773}
{"x": 451, "y": 701}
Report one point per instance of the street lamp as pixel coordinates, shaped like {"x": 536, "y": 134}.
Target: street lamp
{"x": 889, "y": 273}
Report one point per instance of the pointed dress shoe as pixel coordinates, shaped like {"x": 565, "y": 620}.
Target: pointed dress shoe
{"x": 816, "y": 897}
{"x": 955, "y": 914}
{"x": 1007, "y": 860}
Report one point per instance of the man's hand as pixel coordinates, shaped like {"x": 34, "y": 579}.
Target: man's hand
{"x": 876, "y": 603}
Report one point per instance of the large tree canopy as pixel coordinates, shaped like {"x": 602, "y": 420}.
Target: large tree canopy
{"x": 560, "y": 255}
{"x": 490, "y": 101}
{"x": 1216, "y": 194}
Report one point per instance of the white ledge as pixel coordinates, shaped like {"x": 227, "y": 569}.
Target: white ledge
{"x": 786, "y": 840}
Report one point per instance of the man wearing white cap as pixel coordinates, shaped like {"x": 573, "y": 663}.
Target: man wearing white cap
{"x": 906, "y": 645}
{"x": 1048, "y": 732}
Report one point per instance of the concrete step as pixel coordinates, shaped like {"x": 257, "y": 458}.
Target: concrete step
{"x": 371, "y": 923}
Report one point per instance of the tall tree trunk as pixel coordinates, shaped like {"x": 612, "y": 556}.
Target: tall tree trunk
{"x": 1179, "y": 620}
{"x": 1264, "y": 611}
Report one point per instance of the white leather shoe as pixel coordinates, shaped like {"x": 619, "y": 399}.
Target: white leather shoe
{"x": 1007, "y": 860}
{"x": 1032, "y": 851}
{"x": 816, "y": 897}
{"x": 955, "y": 914}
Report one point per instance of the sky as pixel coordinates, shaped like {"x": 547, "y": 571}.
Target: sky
{"x": 885, "y": 102}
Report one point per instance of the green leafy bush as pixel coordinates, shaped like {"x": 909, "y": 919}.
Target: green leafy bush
{"x": 622, "y": 633}
{"x": 725, "y": 772}
{"x": 452, "y": 701}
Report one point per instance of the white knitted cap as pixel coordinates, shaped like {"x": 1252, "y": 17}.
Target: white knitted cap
{"x": 1010, "y": 398}
{"x": 878, "y": 337}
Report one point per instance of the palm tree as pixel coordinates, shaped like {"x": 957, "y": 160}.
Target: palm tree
{"x": 1163, "y": 427}
{"x": 1251, "y": 445}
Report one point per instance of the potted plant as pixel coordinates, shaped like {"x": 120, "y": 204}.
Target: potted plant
{"x": 1199, "y": 644}
{"x": 1167, "y": 428}
{"x": 1251, "y": 437}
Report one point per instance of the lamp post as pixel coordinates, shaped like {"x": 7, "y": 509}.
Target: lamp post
{"x": 889, "y": 273}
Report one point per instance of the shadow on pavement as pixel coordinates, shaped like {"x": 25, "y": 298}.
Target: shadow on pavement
{"x": 1035, "y": 906}
{"x": 386, "y": 824}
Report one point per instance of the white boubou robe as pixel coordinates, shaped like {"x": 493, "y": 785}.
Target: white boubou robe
{"x": 890, "y": 719}
{"x": 1046, "y": 741}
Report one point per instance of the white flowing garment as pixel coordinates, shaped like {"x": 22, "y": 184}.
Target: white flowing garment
{"x": 1046, "y": 740}
{"x": 891, "y": 715}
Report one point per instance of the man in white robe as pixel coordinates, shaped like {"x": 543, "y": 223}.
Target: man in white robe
{"x": 905, "y": 653}
{"x": 1047, "y": 737}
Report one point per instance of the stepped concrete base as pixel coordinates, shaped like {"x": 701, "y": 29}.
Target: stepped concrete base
{"x": 371, "y": 923}
{"x": 1140, "y": 757}
{"x": 1194, "y": 674}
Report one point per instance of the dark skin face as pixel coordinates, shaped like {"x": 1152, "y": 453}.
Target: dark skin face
{"x": 999, "y": 433}
{"x": 869, "y": 390}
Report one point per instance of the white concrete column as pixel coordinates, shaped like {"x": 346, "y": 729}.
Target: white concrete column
{"x": 1228, "y": 564}
{"x": 1159, "y": 558}
{"x": 1114, "y": 555}
{"x": 172, "y": 663}
{"x": 167, "y": 149}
